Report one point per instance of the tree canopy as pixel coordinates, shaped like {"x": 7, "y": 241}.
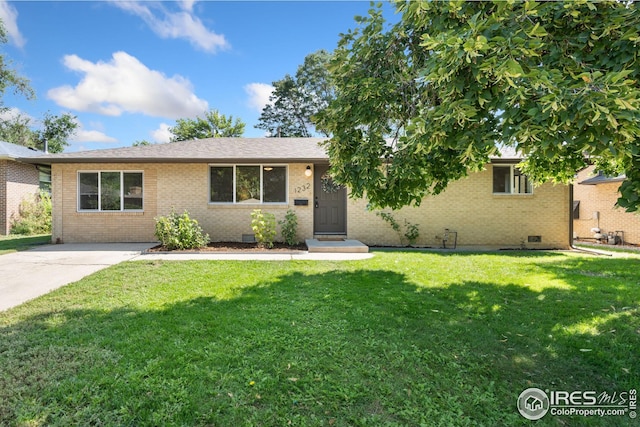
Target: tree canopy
{"x": 212, "y": 125}
{"x": 295, "y": 100}
{"x": 17, "y": 129}
{"x": 420, "y": 103}
{"x": 140, "y": 143}
{"x": 55, "y": 130}
{"x": 9, "y": 78}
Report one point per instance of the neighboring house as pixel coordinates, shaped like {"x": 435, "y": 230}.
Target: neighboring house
{"x": 114, "y": 195}
{"x": 18, "y": 180}
{"x": 595, "y": 196}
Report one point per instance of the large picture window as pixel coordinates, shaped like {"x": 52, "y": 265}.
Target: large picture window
{"x": 110, "y": 191}
{"x": 248, "y": 184}
{"x": 509, "y": 180}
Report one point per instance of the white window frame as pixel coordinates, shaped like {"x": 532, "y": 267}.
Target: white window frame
{"x": 99, "y": 209}
{"x": 261, "y": 167}
{"x": 512, "y": 182}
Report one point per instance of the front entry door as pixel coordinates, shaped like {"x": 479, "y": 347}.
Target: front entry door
{"x": 330, "y": 204}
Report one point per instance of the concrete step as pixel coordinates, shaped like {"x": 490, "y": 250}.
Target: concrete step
{"x": 329, "y": 236}
{"x": 336, "y": 246}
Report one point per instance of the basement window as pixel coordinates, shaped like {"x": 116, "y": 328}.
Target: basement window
{"x": 509, "y": 180}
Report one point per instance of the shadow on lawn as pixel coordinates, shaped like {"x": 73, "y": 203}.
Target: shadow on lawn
{"x": 363, "y": 347}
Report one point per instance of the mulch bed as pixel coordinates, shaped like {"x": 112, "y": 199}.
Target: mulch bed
{"x": 239, "y": 247}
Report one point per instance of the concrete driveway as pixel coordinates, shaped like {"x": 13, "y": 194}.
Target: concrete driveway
{"x": 29, "y": 274}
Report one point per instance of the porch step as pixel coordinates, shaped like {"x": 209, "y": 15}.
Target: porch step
{"x": 330, "y": 236}
{"x": 335, "y": 245}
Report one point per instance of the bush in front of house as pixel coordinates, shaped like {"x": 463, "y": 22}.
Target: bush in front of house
{"x": 180, "y": 232}
{"x": 290, "y": 228}
{"x": 34, "y": 215}
{"x": 264, "y": 227}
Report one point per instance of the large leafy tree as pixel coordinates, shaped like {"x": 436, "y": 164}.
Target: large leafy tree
{"x": 212, "y": 125}
{"x": 296, "y": 99}
{"x": 140, "y": 143}
{"x": 424, "y": 101}
{"x": 54, "y": 130}
{"x": 18, "y": 128}
{"x": 9, "y": 78}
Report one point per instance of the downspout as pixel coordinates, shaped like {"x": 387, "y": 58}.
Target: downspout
{"x": 571, "y": 245}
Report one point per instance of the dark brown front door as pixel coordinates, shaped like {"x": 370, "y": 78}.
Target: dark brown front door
{"x": 330, "y": 204}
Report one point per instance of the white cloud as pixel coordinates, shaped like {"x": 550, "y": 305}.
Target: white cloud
{"x": 9, "y": 16}
{"x": 258, "y": 94}
{"x": 187, "y": 4}
{"x": 162, "y": 134}
{"x": 84, "y": 135}
{"x": 126, "y": 85}
{"x": 176, "y": 25}
{"x": 12, "y": 113}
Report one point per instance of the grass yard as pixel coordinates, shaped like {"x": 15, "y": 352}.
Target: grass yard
{"x": 14, "y": 243}
{"x": 403, "y": 339}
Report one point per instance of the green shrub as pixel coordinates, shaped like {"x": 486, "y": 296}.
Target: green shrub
{"x": 180, "y": 232}
{"x": 264, "y": 227}
{"x": 290, "y": 228}
{"x": 411, "y": 232}
{"x": 34, "y": 215}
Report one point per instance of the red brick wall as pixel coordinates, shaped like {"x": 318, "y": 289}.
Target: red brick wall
{"x": 17, "y": 180}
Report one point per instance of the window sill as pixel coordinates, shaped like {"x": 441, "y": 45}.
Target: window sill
{"x": 500, "y": 195}
{"x": 248, "y": 205}
{"x": 121, "y": 213}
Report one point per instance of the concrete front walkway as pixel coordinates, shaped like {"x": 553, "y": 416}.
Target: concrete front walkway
{"x": 29, "y": 274}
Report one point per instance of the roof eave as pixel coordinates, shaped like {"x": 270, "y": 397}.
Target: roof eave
{"x": 69, "y": 160}
{"x": 592, "y": 181}
{"x": 505, "y": 160}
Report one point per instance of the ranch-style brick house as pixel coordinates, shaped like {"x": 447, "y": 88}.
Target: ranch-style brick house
{"x": 113, "y": 195}
{"x": 18, "y": 180}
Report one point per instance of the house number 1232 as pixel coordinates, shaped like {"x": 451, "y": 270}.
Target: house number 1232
{"x": 303, "y": 188}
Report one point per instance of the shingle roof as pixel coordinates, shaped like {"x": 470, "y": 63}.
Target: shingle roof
{"x": 602, "y": 179}
{"x": 14, "y": 151}
{"x": 204, "y": 150}
{"x": 218, "y": 150}
{"x": 506, "y": 154}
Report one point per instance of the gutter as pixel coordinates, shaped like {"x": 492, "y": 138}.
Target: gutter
{"x": 219, "y": 160}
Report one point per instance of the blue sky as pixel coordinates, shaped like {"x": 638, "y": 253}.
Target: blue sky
{"x": 128, "y": 70}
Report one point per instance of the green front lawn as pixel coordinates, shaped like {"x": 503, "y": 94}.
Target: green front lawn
{"x": 403, "y": 339}
{"x": 17, "y": 242}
